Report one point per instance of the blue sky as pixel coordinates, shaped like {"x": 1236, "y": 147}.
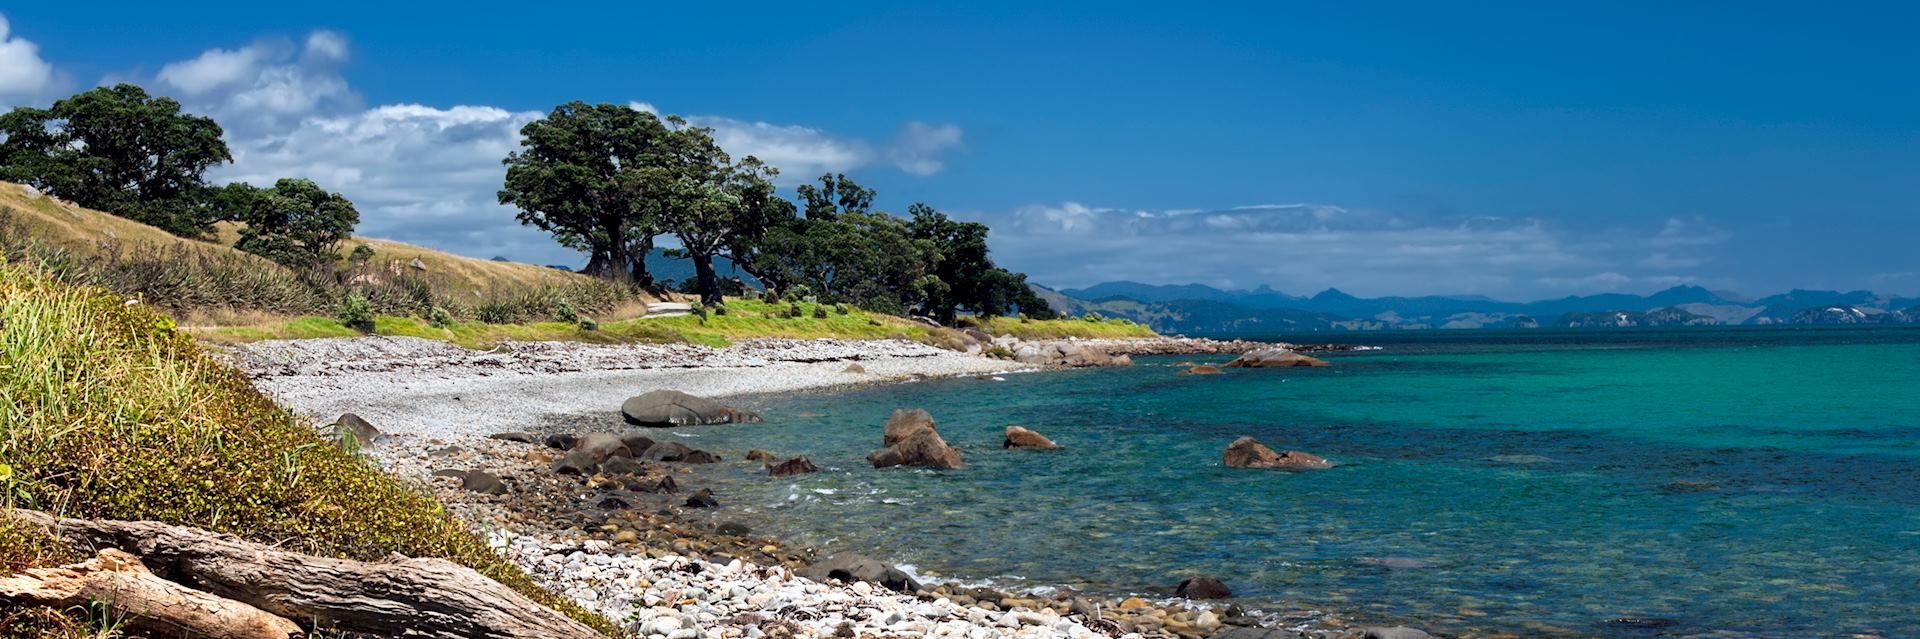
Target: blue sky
{"x": 1517, "y": 150}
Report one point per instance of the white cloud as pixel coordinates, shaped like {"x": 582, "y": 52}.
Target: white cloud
{"x": 265, "y": 86}
{"x": 22, "y": 72}
{"x": 918, "y": 148}
{"x": 799, "y": 152}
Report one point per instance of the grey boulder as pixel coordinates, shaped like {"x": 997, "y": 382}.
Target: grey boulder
{"x": 668, "y": 408}
{"x": 852, "y": 568}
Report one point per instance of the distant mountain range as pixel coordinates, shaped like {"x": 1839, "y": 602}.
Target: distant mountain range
{"x": 1200, "y": 309}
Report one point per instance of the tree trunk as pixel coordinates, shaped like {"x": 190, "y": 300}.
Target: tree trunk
{"x": 404, "y": 598}
{"x": 642, "y": 277}
{"x": 706, "y": 281}
{"x": 149, "y": 603}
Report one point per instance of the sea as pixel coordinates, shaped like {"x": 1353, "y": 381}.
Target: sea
{"x": 1737, "y": 482}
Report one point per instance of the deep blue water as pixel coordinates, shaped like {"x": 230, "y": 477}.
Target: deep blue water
{"x": 1736, "y": 482}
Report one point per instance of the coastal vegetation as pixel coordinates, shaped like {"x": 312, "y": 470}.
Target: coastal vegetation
{"x": 107, "y": 411}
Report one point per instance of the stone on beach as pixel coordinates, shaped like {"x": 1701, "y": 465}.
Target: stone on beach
{"x": 1274, "y": 358}
{"x": 1021, "y": 437}
{"x": 515, "y": 436}
{"x": 911, "y": 440}
{"x": 848, "y": 568}
{"x": 667, "y": 408}
{"x": 589, "y": 452}
{"x": 483, "y": 482}
{"x": 1247, "y": 452}
{"x": 351, "y": 425}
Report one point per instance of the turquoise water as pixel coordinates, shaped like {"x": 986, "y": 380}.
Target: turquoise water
{"x": 1490, "y": 481}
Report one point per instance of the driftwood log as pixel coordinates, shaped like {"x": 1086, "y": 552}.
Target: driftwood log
{"x": 148, "y": 602}
{"x": 421, "y": 597}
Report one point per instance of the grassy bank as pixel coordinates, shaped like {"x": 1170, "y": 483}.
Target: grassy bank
{"x": 107, "y": 411}
{"x": 1083, "y": 328}
{"x": 743, "y": 319}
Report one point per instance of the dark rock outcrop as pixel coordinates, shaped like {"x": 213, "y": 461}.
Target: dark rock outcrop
{"x": 760, "y": 455}
{"x": 703, "y": 499}
{"x": 562, "y": 441}
{"x": 1202, "y": 588}
{"x": 666, "y": 408}
{"x": 852, "y": 568}
{"x": 796, "y": 466}
{"x": 1274, "y": 358}
{"x": 1247, "y": 452}
{"x": 911, "y": 440}
{"x": 667, "y": 452}
{"x": 589, "y": 451}
{"x": 1021, "y": 437}
{"x": 700, "y": 457}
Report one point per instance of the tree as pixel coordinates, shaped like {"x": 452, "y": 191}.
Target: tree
{"x": 959, "y": 260}
{"x": 295, "y": 223}
{"x": 578, "y": 176}
{"x": 836, "y": 194}
{"x": 119, "y": 150}
{"x": 711, "y": 204}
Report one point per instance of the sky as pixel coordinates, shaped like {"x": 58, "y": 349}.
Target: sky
{"x": 1519, "y": 151}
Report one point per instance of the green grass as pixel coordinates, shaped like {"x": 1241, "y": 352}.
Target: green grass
{"x": 1063, "y": 328}
{"x": 107, "y": 411}
{"x": 744, "y": 319}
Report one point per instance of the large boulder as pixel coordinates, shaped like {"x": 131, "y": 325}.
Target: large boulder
{"x": 1247, "y": 452}
{"x": 1021, "y": 437}
{"x": 1202, "y": 588}
{"x": 1274, "y": 358}
{"x": 911, "y": 440}
{"x": 667, "y": 452}
{"x": 852, "y": 568}
{"x": 589, "y": 452}
{"x": 665, "y": 408}
{"x": 1070, "y": 354}
{"x": 796, "y": 466}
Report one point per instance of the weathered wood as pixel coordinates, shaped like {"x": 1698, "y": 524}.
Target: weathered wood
{"x": 423, "y": 597}
{"x": 149, "y": 603}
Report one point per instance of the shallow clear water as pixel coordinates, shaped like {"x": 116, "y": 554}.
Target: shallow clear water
{"x": 1810, "y": 440}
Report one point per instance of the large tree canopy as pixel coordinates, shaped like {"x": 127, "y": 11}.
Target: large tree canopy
{"x": 120, "y": 150}
{"x": 578, "y": 176}
{"x": 712, "y": 205}
{"x": 295, "y": 223}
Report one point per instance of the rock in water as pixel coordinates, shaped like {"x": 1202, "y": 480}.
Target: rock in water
{"x": 1020, "y": 437}
{"x": 701, "y": 457}
{"x": 667, "y": 452}
{"x": 852, "y": 568}
{"x": 1247, "y": 452}
{"x": 911, "y": 440}
{"x": 1274, "y": 358}
{"x": 350, "y": 424}
{"x": 1202, "y": 588}
{"x": 795, "y": 466}
{"x": 703, "y": 499}
{"x": 1377, "y": 632}
{"x": 759, "y": 455}
{"x": 484, "y": 483}
{"x": 666, "y": 408}
{"x": 905, "y": 423}
{"x": 1203, "y": 369}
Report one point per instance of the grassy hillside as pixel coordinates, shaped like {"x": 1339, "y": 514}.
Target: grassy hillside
{"x": 106, "y": 411}
{"x": 210, "y": 283}
{"x": 1084, "y": 328}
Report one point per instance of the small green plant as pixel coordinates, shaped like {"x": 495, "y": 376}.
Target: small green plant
{"x": 1092, "y": 317}
{"x": 772, "y": 296}
{"x": 587, "y": 324}
{"x": 840, "y": 309}
{"x": 720, "y": 309}
{"x": 997, "y": 352}
{"x": 793, "y": 310}
{"x": 357, "y": 313}
{"x": 361, "y": 254}
{"x": 819, "y": 312}
{"x": 441, "y": 318}
{"x": 563, "y": 311}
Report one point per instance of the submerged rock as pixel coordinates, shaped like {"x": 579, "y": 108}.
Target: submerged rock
{"x": 1020, "y": 437}
{"x": 1247, "y": 452}
{"x": 667, "y": 408}
{"x": 796, "y": 466}
{"x": 1380, "y": 632}
{"x": 1202, "y": 369}
{"x": 911, "y": 440}
{"x": 760, "y": 455}
{"x": 849, "y": 568}
{"x": 1274, "y": 358}
{"x": 1202, "y": 587}
{"x": 703, "y": 499}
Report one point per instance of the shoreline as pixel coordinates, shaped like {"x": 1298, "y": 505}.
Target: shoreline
{"x": 436, "y": 404}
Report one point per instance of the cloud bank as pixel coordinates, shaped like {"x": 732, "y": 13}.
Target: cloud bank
{"x": 24, "y": 75}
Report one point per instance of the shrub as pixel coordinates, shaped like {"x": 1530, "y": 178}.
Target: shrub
{"x": 772, "y": 296}
{"x": 361, "y": 254}
{"x": 441, "y": 318}
{"x": 720, "y": 309}
{"x": 997, "y": 352}
{"x": 587, "y": 324}
{"x": 356, "y": 313}
{"x": 819, "y": 312}
{"x": 840, "y": 309}
{"x": 793, "y": 310}
{"x": 1092, "y": 317}
{"x": 563, "y": 311}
